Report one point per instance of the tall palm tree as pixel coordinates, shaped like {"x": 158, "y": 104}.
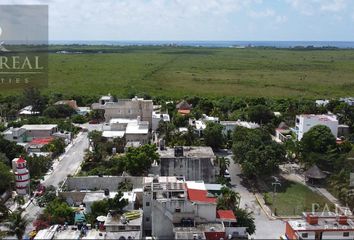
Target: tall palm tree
{"x": 223, "y": 164}
{"x": 17, "y": 224}
{"x": 229, "y": 199}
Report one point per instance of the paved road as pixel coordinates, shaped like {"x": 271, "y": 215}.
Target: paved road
{"x": 265, "y": 228}
{"x": 68, "y": 163}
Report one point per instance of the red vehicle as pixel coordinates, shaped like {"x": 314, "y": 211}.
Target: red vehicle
{"x": 40, "y": 190}
{"x": 94, "y": 121}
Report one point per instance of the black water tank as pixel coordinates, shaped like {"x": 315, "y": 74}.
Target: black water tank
{"x": 106, "y": 192}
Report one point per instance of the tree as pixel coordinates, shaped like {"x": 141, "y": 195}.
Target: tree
{"x": 59, "y": 212}
{"x": 138, "y": 160}
{"x": 58, "y": 111}
{"x": 223, "y": 164}
{"x": 6, "y": 177}
{"x": 213, "y": 136}
{"x": 257, "y": 153}
{"x": 245, "y": 219}
{"x": 17, "y": 224}
{"x": 318, "y": 146}
{"x": 102, "y": 207}
{"x": 318, "y": 139}
{"x": 38, "y": 165}
{"x": 228, "y": 199}
{"x": 32, "y": 96}
{"x": 260, "y": 114}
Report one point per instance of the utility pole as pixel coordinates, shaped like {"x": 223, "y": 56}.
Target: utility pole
{"x": 275, "y": 183}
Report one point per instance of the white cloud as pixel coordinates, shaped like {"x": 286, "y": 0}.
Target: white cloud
{"x": 310, "y": 7}
{"x": 260, "y": 14}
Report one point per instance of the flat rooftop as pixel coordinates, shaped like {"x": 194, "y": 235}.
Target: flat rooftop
{"x": 189, "y": 152}
{"x": 113, "y": 134}
{"x": 239, "y": 123}
{"x": 319, "y": 117}
{"x": 137, "y": 128}
{"x": 39, "y": 126}
{"x": 324, "y": 224}
{"x": 118, "y": 220}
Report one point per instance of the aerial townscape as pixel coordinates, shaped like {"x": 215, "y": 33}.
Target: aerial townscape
{"x": 191, "y": 168}
{"x": 164, "y": 136}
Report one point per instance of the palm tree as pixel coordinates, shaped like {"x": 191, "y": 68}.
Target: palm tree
{"x": 228, "y": 199}
{"x": 223, "y": 164}
{"x": 17, "y": 224}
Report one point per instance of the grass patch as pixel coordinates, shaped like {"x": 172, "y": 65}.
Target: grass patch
{"x": 294, "y": 198}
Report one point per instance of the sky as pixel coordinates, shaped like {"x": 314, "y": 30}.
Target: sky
{"x": 207, "y": 20}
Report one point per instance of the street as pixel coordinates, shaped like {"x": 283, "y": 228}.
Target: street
{"x": 265, "y": 228}
{"x": 68, "y": 163}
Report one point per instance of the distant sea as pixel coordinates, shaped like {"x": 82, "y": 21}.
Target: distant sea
{"x": 240, "y": 44}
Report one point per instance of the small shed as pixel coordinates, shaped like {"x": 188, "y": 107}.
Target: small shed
{"x": 314, "y": 174}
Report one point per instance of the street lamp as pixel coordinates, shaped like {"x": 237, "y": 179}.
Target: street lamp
{"x": 275, "y": 183}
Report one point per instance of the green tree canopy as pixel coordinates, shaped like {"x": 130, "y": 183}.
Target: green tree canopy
{"x": 213, "y": 136}
{"x": 6, "y": 177}
{"x": 260, "y": 114}
{"x": 256, "y": 152}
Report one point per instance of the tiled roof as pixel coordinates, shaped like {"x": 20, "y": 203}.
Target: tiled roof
{"x": 41, "y": 140}
{"x": 195, "y": 195}
{"x": 21, "y": 160}
{"x": 225, "y": 214}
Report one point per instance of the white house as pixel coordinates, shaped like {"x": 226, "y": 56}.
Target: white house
{"x": 305, "y": 122}
{"x": 157, "y": 117}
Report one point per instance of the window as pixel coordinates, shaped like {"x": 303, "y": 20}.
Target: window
{"x": 346, "y": 234}
{"x": 147, "y": 219}
{"x": 147, "y": 204}
{"x": 177, "y": 210}
{"x": 305, "y": 235}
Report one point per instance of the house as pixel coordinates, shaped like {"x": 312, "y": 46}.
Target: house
{"x": 70, "y": 103}
{"x": 40, "y": 130}
{"x": 183, "y": 107}
{"x": 320, "y": 225}
{"x": 282, "y": 133}
{"x": 29, "y": 131}
{"x": 305, "y": 122}
{"x": 229, "y": 126}
{"x": 157, "y": 117}
{"x": 348, "y": 100}
{"x": 15, "y": 134}
{"x": 194, "y": 163}
{"x": 179, "y": 209}
{"x": 125, "y": 108}
{"x": 28, "y": 110}
{"x": 201, "y": 124}
{"x": 133, "y": 130}
{"x": 322, "y": 103}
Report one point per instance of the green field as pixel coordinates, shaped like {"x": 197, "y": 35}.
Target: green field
{"x": 177, "y": 72}
{"x": 294, "y": 198}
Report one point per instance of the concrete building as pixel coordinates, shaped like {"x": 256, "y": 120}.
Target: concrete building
{"x": 157, "y": 117}
{"x": 15, "y": 134}
{"x": 179, "y": 209}
{"x": 200, "y": 125}
{"x": 231, "y": 125}
{"x": 321, "y": 225}
{"x": 126, "y": 108}
{"x": 194, "y": 163}
{"x": 134, "y": 130}
{"x": 305, "y": 122}
{"x": 40, "y": 130}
